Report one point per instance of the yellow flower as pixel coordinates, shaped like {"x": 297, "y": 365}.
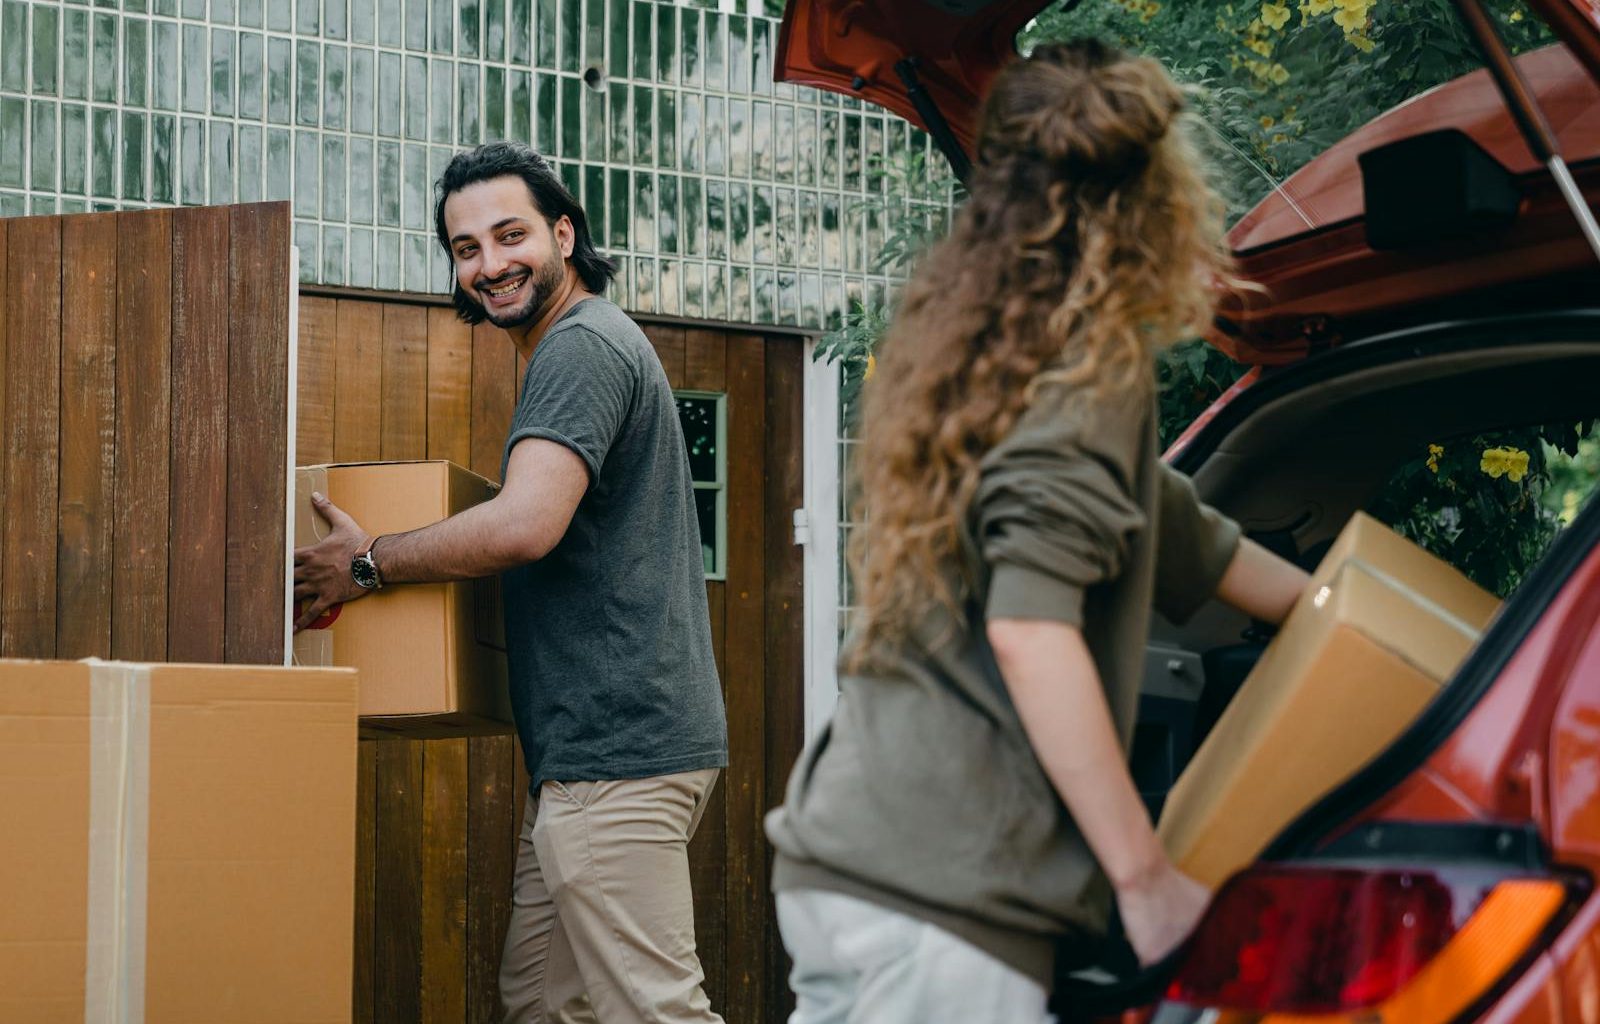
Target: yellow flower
{"x": 1516, "y": 16}
{"x": 1267, "y": 121}
{"x": 1350, "y": 21}
{"x": 1360, "y": 42}
{"x": 1315, "y": 7}
{"x": 1279, "y": 137}
{"x": 1260, "y": 46}
{"x": 1434, "y": 451}
{"x": 1511, "y": 463}
{"x": 1279, "y": 74}
{"x": 872, "y": 367}
{"x": 1275, "y": 15}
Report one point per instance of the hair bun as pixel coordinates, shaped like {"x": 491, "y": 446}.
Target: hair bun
{"x": 1082, "y": 107}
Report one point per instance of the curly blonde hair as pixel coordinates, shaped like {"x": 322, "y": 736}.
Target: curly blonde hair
{"x": 1090, "y": 240}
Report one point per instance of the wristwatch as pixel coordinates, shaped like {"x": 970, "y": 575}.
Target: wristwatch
{"x": 365, "y": 571}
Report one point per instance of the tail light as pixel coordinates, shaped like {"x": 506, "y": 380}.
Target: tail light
{"x": 1385, "y": 946}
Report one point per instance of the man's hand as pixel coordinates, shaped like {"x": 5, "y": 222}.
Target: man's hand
{"x": 322, "y": 572}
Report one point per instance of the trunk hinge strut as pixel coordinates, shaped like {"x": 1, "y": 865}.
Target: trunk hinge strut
{"x": 931, "y": 116}
{"x": 1530, "y": 118}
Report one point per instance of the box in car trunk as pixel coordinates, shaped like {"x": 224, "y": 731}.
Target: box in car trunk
{"x": 429, "y": 654}
{"x": 177, "y": 842}
{"x": 1381, "y": 626}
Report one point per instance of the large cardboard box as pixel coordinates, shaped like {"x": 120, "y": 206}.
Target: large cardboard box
{"x": 176, "y": 843}
{"x": 1381, "y": 625}
{"x": 428, "y": 653}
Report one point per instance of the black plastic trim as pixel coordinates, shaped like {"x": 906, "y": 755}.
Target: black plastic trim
{"x": 1379, "y": 350}
{"x": 1514, "y": 846}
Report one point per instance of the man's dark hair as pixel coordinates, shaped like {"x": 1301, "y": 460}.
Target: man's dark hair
{"x": 550, "y": 197}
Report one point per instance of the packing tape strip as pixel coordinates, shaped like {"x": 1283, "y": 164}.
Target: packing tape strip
{"x": 1440, "y": 612}
{"x": 119, "y": 830}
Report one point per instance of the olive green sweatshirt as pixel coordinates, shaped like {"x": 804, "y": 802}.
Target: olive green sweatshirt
{"x": 923, "y": 794}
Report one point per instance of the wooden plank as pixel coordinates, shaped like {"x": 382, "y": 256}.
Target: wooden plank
{"x": 668, "y": 342}
{"x": 444, "y": 881}
{"x": 32, "y": 438}
{"x": 361, "y": 1008}
{"x": 449, "y": 387}
{"x": 88, "y": 435}
{"x": 258, "y": 431}
{"x": 358, "y": 381}
{"x": 397, "y": 881}
{"x": 492, "y": 799}
{"x": 7, "y": 317}
{"x": 404, "y": 398}
{"x": 494, "y": 374}
{"x": 708, "y": 851}
{"x": 314, "y": 391}
{"x": 199, "y": 498}
{"x": 705, "y": 360}
{"x": 783, "y": 587}
{"x": 744, "y": 681}
{"x": 144, "y": 439}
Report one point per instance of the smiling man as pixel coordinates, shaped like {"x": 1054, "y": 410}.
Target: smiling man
{"x": 594, "y": 534}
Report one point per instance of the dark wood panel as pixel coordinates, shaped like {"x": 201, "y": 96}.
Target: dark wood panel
{"x": 783, "y": 586}
{"x": 201, "y": 299}
{"x": 6, "y": 311}
{"x": 744, "y": 681}
{"x": 669, "y": 345}
{"x": 397, "y": 960}
{"x": 258, "y": 442}
{"x": 358, "y": 382}
{"x": 362, "y": 1010}
{"x": 88, "y": 436}
{"x": 494, "y": 376}
{"x": 144, "y": 439}
{"x": 492, "y": 800}
{"x": 449, "y": 387}
{"x": 318, "y": 337}
{"x": 404, "y": 398}
{"x": 708, "y": 851}
{"x": 444, "y": 876}
{"x": 32, "y": 438}
{"x": 705, "y": 360}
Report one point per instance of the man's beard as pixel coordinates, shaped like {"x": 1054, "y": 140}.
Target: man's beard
{"x": 542, "y": 284}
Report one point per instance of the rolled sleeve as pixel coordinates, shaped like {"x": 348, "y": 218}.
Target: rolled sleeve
{"x": 1194, "y": 547}
{"x": 1055, "y": 516}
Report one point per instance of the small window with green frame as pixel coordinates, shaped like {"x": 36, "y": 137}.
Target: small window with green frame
{"x": 704, "y": 418}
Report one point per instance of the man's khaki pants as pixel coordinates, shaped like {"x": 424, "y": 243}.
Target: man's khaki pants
{"x": 602, "y": 921}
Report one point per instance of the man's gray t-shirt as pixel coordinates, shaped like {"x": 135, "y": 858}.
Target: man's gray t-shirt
{"x": 608, "y": 637}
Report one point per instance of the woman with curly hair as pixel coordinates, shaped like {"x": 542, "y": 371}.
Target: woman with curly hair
{"x": 967, "y": 817}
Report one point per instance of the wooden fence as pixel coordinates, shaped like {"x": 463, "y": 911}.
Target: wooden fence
{"x": 144, "y": 411}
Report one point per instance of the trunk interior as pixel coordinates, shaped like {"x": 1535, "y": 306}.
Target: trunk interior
{"x": 1312, "y": 444}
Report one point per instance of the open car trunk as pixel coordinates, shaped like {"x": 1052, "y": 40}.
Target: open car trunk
{"x": 1292, "y": 459}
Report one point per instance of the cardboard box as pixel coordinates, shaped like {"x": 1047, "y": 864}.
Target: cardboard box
{"x": 428, "y": 653}
{"x": 178, "y": 843}
{"x": 1381, "y": 626}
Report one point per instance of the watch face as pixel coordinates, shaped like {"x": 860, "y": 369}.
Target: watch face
{"x": 365, "y": 573}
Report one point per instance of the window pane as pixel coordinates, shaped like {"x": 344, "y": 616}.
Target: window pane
{"x": 699, "y": 419}
{"x": 705, "y": 507}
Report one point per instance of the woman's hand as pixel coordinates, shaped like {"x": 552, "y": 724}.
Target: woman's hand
{"x": 1160, "y": 911}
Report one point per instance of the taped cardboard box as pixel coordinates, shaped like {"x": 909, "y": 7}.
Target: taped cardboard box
{"x": 430, "y": 655}
{"x": 1381, "y": 626}
{"x": 178, "y": 842}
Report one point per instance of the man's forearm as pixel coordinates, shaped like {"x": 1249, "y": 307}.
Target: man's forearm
{"x": 473, "y": 543}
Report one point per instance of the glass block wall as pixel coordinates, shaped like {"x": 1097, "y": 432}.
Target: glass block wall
{"x": 725, "y": 196}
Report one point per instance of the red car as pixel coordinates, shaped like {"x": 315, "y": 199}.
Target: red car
{"x": 1426, "y": 278}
